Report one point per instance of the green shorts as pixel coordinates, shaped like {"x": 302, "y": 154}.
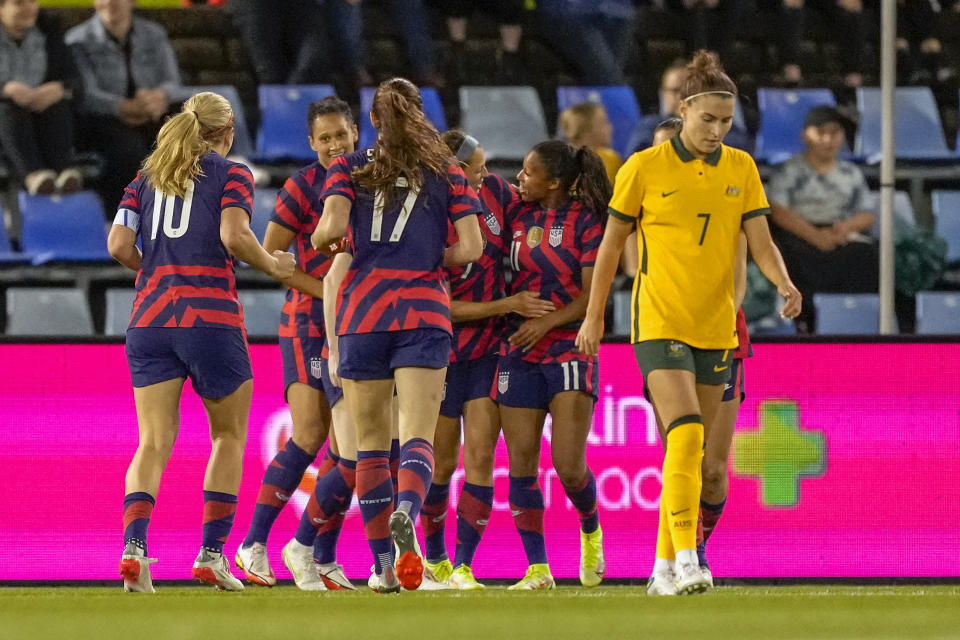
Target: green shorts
{"x": 710, "y": 366}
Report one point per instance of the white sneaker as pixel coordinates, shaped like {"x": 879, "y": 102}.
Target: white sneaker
{"x": 387, "y": 581}
{"x": 212, "y": 567}
{"x": 299, "y": 560}
{"x": 662, "y": 583}
{"x": 135, "y": 569}
{"x": 253, "y": 560}
{"x": 690, "y": 579}
{"x": 707, "y": 574}
{"x": 334, "y": 578}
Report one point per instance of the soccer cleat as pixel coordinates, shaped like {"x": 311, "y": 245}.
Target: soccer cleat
{"x": 386, "y": 581}
{"x": 135, "y": 569}
{"x": 537, "y": 577}
{"x": 409, "y": 563}
{"x": 462, "y": 578}
{"x": 707, "y": 574}
{"x": 333, "y": 577}
{"x": 253, "y": 561}
{"x": 592, "y": 564}
{"x": 438, "y": 571}
{"x": 298, "y": 558}
{"x": 690, "y": 580}
{"x": 212, "y": 567}
{"x": 662, "y": 583}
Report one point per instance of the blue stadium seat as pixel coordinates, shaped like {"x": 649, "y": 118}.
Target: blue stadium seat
{"x": 620, "y": 104}
{"x": 904, "y": 218}
{"x": 261, "y": 310}
{"x": 119, "y": 307}
{"x": 919, "y": 133}
{"x": 7, "y": 256}
{"x": 432, "y": 108}
{"x": 946, "y": 210}
{"x": 47, "y": 311}
{"x": 845, "y": 314}
{"x": 263, "y": 202}
{"x": 781, "y": 120}
{"x": 242, "y": 143}
{"x": 938, "y": 312}
{"x": 65, "y": 228}
{"x": 283, "y": 117}
{"x": 507, "y": 121}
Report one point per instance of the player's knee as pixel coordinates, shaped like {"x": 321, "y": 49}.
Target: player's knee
{"x": 158, "y": 445}
{"x": 714, "y": 471}
{"x": 443, "y": 470}
{"x": 524, "y": 464}
{"x": 570, "y": 474}
{"x": 478, "y": 461}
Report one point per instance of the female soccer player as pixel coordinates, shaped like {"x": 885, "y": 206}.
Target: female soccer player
{"x": 555, "y": 232}
{"x": 393, "y": 320}
{"x": 295, "y": 215}
{"x": 190, "y": 208}
{"x": 684, "y": 321}
{"x": 477, "y": 302}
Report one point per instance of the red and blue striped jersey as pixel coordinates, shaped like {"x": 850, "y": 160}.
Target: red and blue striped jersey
{"x": 186, "y": 278}
{"x": 396, "y": 280}
{"x": 298, "y": 209}
{"x": 549, "y": 249}
{"x": 482, "y": 281}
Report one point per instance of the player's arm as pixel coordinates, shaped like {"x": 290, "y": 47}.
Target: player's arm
{"x": 531, "y": 331}
{"x": 608, "y": 259}
{"x": 238, "y": 238}
{"x": 279, "y": 238}
{"x": 122, "y": 245}
{"x": 331, "y": 285}
{"x": 526, "y": 303}
{"x": 767, "y": 256}
{"x": 740, "y": 272}
{"x": 333, "y": 222}
{"x": 469, "y": 246}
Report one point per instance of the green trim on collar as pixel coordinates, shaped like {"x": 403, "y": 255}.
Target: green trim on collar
{"x": 711, "y": 159}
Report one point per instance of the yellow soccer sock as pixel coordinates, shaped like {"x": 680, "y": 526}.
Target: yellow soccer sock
{"x": 682, "y": 480}
{"x": 664, "y": 539}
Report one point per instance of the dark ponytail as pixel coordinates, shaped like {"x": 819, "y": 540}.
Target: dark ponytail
{"x": 581, "y": 173}
{"x": 705, "y": 74}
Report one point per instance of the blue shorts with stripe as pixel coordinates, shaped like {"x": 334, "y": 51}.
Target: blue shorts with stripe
{"x": 215, "y": 359}
{"x": 467, "y": 380}
{"x": 374, "y": 356}
{"x": 532, "y": 385}
{"x": 301, "y": 361}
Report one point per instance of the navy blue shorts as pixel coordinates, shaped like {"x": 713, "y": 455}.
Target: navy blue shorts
{"x": 467, "y": 380}
{"x": 735, "y": 383}
{"x": 374, "y": 356}
{"x": 334, "y": 394}
{"x": 216, "y": 360}
{"x": 301, "y": 362}
{"x": 530, "y": 385}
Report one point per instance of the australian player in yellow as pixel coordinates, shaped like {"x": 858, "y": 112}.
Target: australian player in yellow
{"x": 690, "y": 197}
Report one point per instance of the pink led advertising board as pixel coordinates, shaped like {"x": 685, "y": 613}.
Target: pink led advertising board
{"x": 846, "y": 463}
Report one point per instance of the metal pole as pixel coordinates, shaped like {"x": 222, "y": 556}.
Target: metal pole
{"x": 888, "y": 82}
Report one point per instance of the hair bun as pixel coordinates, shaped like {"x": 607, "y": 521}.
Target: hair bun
{"x": 705, "y": 60}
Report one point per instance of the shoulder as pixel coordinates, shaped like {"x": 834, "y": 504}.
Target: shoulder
{"x": 793, "y": 166}
{"x": 84, "y": 32}
{"x": 313, "y": 173}
{"x": 849, "y": 170}
{"x": 738, "y": 158}
{"x": 229, "y": 167}
{"x": 142, "y": 26}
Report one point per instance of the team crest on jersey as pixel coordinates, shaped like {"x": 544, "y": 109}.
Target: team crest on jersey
{"x": 733, "y": 191}
{"x": 534, "y": 236}
{"x": 503, "y": 381}
{"x": 675, "y": 349}
{"x": 556, "y": 236}
{"x": 316, "y": 367}
{"x": 493, "y": 224}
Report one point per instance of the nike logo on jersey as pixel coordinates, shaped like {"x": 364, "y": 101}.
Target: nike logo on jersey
{"x": 717, "y": 369}
{"x": 439, "y": 518}
{"x": 515, "y": 512}
{"x": 320, "y": 521}
{"x": 667, "y": 194}
{"x": 282, "y": 497}
{"x": 482, "y": 523}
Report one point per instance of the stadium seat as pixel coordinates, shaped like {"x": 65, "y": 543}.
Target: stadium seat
{"x": 845, "y": 314}
{"x": 621, "y": 106}
{"x": 242, "y": 144}
{"x": 283, "y": 117}
{"x": 47, "y": 311}
{"x": 64, "y": 228}
{"x": 903, "y": 214}
{"x": 938, "y": 312}
{"x": 432, "y": 108}
{"x": 621, "y": 312}
{"x": 919, "y": 133}
{"x": 946, "y": 210}
{"x": 119, "y": 306}
{"x": 507, "y": 121}
{"x": 8, "y": 256}
{"x": 263, "y": 203}
{"x": 261, "y": 310}
{"x": 781, "y": 120}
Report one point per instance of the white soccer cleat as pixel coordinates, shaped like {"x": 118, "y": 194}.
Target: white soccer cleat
{"x": 707, "y": 574}
{"x": 212, "y": 567}
{"x": 662, "y": 583}
{"x": 690, "y": 579}
{"x": 299, "y": 560}
{"x": 135, "y": 569}
{"x": 253, "y": 560}
{"x": 334, "y": 578}
{"x": 386, "y": 581}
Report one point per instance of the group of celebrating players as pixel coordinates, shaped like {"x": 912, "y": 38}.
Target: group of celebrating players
{"x": 424, "y": 293}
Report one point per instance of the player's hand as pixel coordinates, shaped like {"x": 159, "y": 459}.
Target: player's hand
{"x": 793, "y": 300}
{"x": 333, "y": 368}
{"x": 826, "y": 239}
{"x": 588, "y": 338}
{"x": 529, "y": 305}
{"x": 530, "y": 333}
{"x": 285, "y": 264}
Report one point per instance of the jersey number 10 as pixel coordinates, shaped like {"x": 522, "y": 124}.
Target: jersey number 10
{"x": 163, "y": 208}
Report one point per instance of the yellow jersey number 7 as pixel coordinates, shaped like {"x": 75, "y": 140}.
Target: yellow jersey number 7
{"x": 706, "y": 223}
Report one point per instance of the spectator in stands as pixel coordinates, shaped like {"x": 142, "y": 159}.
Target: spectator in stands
{"x": 670, "y": 83}
{"x": 821, "y": 213}
{"x": 844, "y": 17}
{"x": 130, "y": 83}
{"x": 586, "y": 125}
{"x": 593, "y": 36}
{"x": 710, "y": 24}
{"x": 918, "y": 48}
{"x": 508, "y": 14}
{"x": 38, "y": 80}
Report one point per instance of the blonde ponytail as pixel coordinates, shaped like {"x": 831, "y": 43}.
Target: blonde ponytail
{"x": 186, "y": 137}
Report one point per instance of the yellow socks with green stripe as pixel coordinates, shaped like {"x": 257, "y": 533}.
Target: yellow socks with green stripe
{"x": 682, "y": 480}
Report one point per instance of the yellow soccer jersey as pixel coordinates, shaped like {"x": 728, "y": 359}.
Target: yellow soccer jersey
{"x": 689, "y": 212}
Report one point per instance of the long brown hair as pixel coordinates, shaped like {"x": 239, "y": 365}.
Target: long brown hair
{"x": 705, "y": 74}
{"x": 183, "y": 139}
{"x": 407, "y": 144}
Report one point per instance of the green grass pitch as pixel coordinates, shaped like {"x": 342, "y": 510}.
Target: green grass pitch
{"x": 186, "y": 613}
